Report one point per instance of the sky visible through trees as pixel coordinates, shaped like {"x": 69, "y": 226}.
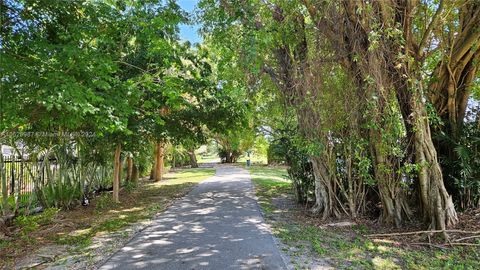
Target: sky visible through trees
{"x": 190, "y": 32}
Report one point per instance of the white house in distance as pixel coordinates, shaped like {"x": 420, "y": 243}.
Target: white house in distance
{"x": 7, "y": 151}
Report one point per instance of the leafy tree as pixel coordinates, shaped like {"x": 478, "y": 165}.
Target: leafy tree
{"x": 357, "y": 93}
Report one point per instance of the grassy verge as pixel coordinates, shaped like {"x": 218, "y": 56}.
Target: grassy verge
{"x": 254, "y": 159}
{"x": 270, "y": 182}
{"x": 76, "y": 228}
{"x": 211, "y": 158}
{"x": 346, "y": 248}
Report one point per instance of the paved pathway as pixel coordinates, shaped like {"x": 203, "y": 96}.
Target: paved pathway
{"x": 216, "y": 226}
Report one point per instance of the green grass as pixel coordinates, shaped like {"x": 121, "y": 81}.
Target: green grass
{"x": 270, "y": 176}
{"x": 270, "y": 182}
{"x": 254, "y": 159}
{"x": 188, "y": 176}
{"x": 211, "y": 158}
{"x": 350, "y": 249}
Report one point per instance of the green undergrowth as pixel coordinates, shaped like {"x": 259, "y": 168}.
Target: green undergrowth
{"x": 349, "y": 248}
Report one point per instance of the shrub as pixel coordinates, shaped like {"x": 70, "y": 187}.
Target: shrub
{"x": 276, "y": 153}
{"x": 300, "y": 171}
{"x": 61, "y": 193}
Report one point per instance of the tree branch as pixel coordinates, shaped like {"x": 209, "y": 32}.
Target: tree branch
{"x": 430, "y": 27}
{"x": 273, "y": 75}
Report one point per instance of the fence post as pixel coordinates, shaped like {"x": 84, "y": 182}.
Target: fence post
{"x": 21, "y": 181}
{"x": 12, "y": 172}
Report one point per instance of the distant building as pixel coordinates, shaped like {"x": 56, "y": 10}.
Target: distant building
{"x": 7, "y": 151}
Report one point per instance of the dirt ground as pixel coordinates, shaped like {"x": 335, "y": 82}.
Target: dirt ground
{"x": 362, "y": 243}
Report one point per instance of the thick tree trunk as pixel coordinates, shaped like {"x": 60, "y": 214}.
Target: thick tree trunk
{"x": 120, "y": 170}
{"x": 116, "y": 173}
{"x": 228, "y": 157}
{"x": 193, "y": 158}
{"x": 436, "y": 202}
{"x": 159, "y": 166}
{"x": 135, "y": 172}
{"x": 437, "y": 205}
{"x": 162, "y": 160}
{"x": 234, "y": 157}
{"x": 323, "y": 188}
{"x": 393, "y": 204}
{"x": 455, "y": 74}
{"x": 129, "y": 168}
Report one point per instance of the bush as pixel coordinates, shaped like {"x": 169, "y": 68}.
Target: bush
{"x": 300, "y": 171}
{"x": 462, "y": 167}
{"x": 61, "y": 194}
{"x": 181, "y": 159}
{"x": 276, "y": 153}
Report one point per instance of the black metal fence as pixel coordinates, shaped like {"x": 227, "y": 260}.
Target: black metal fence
{"x": 21, "y": 176}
